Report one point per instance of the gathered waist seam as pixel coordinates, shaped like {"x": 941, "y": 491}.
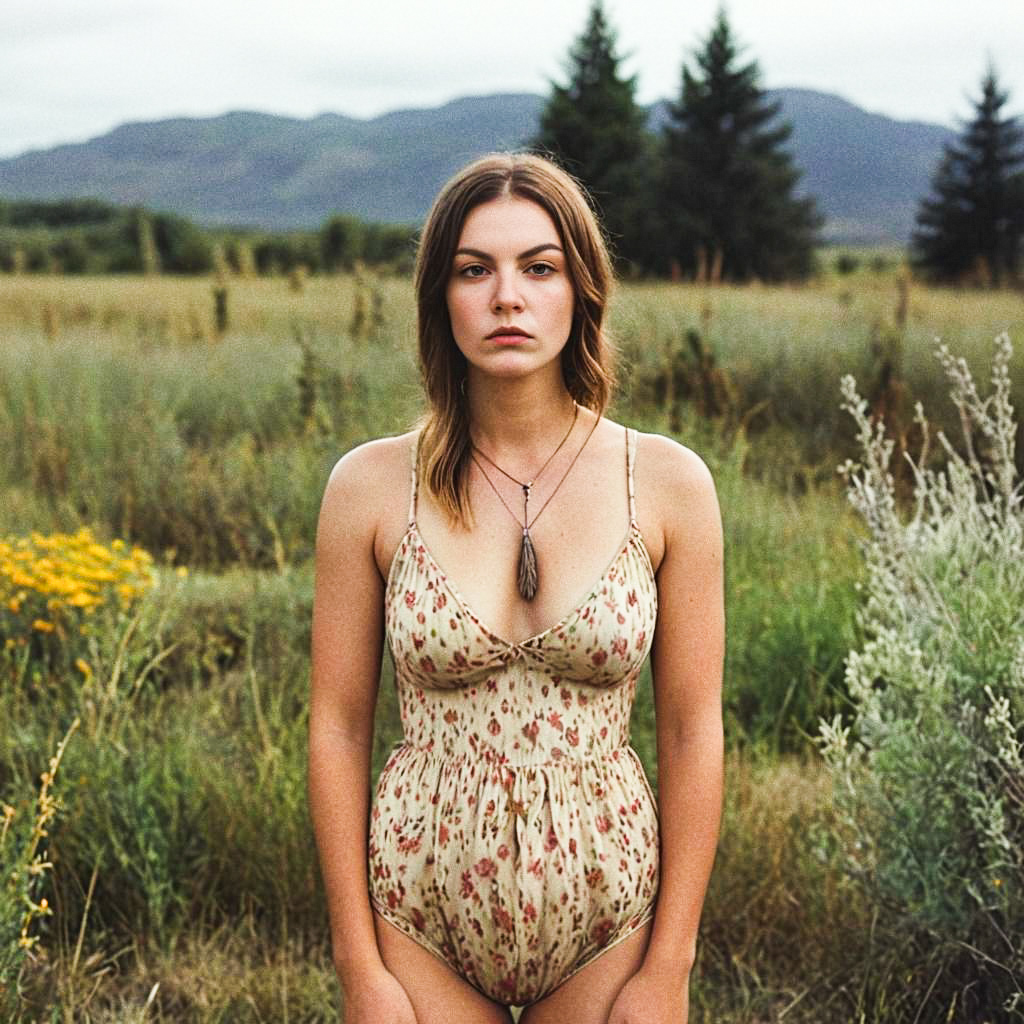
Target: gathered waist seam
{"x": 499, "y": 761}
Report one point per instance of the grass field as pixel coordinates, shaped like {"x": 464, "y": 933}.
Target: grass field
{"x": 183, "y": 884}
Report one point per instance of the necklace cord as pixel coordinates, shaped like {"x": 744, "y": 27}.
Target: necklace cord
{"x": 536, "y": 476}
{"x": 528, "y": 575}
{"x": 527, "y": 523}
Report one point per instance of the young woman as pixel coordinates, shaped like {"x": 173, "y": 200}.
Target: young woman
{"x": 521, "y": 555}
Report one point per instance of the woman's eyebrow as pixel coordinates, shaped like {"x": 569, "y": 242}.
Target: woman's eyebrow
{"x": 481, "y": 255}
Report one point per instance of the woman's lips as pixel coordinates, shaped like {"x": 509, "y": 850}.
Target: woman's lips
{"x": 508, "y": 335}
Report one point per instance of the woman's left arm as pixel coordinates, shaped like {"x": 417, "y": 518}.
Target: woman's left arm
{"x": 687, "y": 660}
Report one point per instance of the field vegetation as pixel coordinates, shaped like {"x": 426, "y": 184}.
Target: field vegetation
{"x": 159, "y": 864}
{"x": 89, "y": 236}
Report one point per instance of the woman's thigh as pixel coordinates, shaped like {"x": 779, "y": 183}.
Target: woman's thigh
{"x": 587, "y": 997}
{"x": 438, "y": 995}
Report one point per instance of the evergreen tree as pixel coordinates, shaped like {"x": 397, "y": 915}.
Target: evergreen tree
{"x": 727, "y": 185}
{"x": 594, "y": 128}
{"x": 973, "y": 224}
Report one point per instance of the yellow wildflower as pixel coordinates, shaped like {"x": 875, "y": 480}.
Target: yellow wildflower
{"x": 58, "y": 579}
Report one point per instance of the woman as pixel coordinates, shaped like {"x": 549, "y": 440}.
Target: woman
{"x": 511, "y": 854}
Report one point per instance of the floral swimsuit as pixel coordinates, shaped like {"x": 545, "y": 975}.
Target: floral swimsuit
{"x": 513, "y": 833}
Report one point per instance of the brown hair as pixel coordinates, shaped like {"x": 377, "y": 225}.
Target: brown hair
{"x": 587, "y": 359}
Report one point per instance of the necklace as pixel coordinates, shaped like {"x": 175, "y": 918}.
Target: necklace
{"x": 528, "y": 577}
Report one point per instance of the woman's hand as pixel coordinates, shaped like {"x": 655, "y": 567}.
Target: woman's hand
{"x": 377, "y": 1000}
{"x": 651, "y": 998}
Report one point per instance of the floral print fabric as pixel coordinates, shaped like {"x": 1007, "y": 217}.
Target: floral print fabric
{"x": 513, "y": 832}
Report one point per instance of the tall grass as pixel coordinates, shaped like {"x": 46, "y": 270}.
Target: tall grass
{"x": 122, "y": 416}
{"x": 785, "y": 350}
{"x": 194, "y": 449}
{"x": 186, "y": 859}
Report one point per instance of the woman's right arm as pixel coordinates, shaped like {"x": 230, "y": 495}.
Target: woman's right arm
{"x": 346, "y": 652}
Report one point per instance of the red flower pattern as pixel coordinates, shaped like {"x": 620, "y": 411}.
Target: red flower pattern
{"x": 485, "y": 868}
{"x": 515, "y": 813}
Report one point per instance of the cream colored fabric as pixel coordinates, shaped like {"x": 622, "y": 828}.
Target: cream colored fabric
{"x": 513, "y": 832}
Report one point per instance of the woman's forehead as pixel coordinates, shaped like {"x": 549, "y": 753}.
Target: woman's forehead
{"x": 508, "y": 222}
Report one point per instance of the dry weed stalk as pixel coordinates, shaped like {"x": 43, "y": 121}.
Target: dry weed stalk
{"x": 24, "y": 864}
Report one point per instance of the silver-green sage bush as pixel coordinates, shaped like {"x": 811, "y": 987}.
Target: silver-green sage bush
{"x": 930, "y": 771}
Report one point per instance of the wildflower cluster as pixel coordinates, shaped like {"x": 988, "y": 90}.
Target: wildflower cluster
{"x": 931, "y": 773}
{"x": 51, "y": 586}
{"x": 23, "y": 864}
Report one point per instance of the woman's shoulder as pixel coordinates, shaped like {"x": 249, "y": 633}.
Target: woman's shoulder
{"x": 365, "y": 463}
{"x": 676, "y": 500}
{"x": 668, "y": 464}
{"x": 371, "y": 479}
{"x": 663, "y": 463}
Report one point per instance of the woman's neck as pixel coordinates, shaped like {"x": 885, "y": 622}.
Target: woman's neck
{"x": 520, "y": 420}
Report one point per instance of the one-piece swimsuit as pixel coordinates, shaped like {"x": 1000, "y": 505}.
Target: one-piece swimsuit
{"x": 513, "y": 832}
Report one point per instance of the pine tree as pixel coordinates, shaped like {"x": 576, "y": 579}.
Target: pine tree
{"x": 594, "y": 128}
{"x": 972, "y": 226}
{"x": 727, "y": 185}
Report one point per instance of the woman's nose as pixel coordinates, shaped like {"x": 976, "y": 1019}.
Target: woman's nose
{"x": 506, "y": 293}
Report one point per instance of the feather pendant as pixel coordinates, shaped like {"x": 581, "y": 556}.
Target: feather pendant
{"x": 528, "y": 576}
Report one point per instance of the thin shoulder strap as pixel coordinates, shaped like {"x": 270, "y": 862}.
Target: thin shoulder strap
{"x": 630, "y": 459}
{"x": 415, "y": 481}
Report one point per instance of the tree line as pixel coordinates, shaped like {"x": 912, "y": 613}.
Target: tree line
{"x": 89, "y": 236}
{"x": 714, "y": 196}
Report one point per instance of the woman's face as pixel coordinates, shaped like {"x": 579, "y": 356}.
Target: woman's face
{"x": 510, "y": 296}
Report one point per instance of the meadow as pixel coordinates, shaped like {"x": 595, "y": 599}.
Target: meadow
{"x": 169, "y": 873}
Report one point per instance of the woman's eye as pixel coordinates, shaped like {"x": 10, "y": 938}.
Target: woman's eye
{"x": 473, "y": 270}
{"x": 541, "y": 269}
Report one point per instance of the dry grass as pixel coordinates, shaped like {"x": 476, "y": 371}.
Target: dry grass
{"x": 182, "y": 308}
{"x": 784, "y": 932}
{"x": 232, "y": 976}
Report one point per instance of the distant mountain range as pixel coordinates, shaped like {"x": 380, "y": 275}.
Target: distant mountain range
{"x": 245, "y": 168}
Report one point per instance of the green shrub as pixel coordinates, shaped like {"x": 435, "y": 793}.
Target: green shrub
{"x": 930, "y": 774}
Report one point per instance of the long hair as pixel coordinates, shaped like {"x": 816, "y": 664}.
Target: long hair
{"x": 587, "y": 358}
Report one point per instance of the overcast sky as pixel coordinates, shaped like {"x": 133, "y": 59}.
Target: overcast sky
{"x": 74, "y": 69}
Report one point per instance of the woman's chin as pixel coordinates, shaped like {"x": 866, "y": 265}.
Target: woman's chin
{"x": 514, "y": 365}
